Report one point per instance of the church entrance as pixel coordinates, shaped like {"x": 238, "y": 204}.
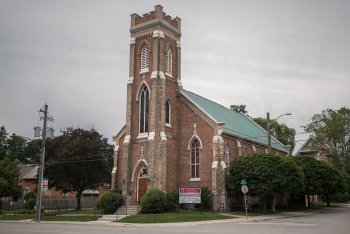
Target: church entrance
{"x": 142, "y": 185}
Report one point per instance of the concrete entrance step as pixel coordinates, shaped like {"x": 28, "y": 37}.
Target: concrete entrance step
{"x": 128, "y": 210}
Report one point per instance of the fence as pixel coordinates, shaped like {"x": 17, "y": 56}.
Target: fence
{"x": 51, "y": 204}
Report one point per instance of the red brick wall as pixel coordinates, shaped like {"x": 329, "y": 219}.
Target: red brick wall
{"x": 187, "y": 118}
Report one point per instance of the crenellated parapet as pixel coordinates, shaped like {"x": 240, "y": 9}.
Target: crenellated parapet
{"x": 156, "y": 18}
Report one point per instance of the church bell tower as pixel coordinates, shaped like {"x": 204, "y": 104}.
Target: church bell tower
{"x": 152, "y": 88}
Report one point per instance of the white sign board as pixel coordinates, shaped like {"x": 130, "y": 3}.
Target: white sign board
{"x": 189, "y": 195}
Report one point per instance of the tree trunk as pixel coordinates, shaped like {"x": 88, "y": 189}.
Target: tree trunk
{"x": 308, "y": 201}
{"x": 273, "y": 204}
{"x": 78, "y": 196}
{"x": 327, "y": 197}
{"x": 264, "y": 204}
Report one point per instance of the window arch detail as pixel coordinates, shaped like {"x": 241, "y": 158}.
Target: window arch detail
{"x": 144, "y": 109}
{"x": 168, "y": 61}
{"x": 144, "y": 59}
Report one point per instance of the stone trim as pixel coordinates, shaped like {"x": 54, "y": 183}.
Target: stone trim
{"x": 163, "y": 136}
{"x": 223, "y": 165}
{"x": 178, "y": 44}
{"x": 158, "y": 33}
{"x": 116, "y": 148}
{"x": 214, "y": 165}
{"x": 132, "y": 40}
{"x": 155, "y": 73}
{"x": 131, "y": 80}
{"x": 127, "y": 139}
{"x": 195, "y": 179}
{"x": 153, "y": 23}
{"x": 151, "y": 136}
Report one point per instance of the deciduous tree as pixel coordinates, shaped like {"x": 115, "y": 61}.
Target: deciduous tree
{"x": 331, "y": 129}
{"x": 78, "y": 160}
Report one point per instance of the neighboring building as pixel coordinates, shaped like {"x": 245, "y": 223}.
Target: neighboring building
{"x": 312, "y": 148}
{"x": 28, "y": 180}
{"x": 28, "y": 176}
{"x": 173, "y": 137}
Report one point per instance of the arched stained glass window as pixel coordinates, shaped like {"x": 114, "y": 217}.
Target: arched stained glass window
{"x": 195, "y": 158}
{"x": 144, "y": 106}
{"x": 167, "y": 112}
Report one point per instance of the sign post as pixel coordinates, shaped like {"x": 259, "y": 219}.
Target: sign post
{"x": 244, "y": 190}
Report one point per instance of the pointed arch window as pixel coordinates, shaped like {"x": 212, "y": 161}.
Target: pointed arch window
{"x": 227, "y": 155}
{"x": 144, "y": 58}
{"x": 168, "y": 62}
{"x": 195, "y": 158}
{"x": 167, "y": 113}
{"x": 144, "y": 107}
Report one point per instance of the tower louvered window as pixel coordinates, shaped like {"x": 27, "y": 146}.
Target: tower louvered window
{"x": 168, "y": 62}
{"x": 144, "y": 106}
{"x": 195, "y": 147}
{"x": 144, "y": 58}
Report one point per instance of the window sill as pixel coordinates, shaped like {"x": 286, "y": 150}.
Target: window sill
{"x": 168, "y": 75}
{"x": 143, "y": 71}
{"x": 195, "y": 179}
{"x": 168, "y": 125}
{"x": 142, "y": 135}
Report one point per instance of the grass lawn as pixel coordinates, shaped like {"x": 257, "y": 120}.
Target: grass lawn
{"x": 183, "y": 216}
{"x": 79, "y": 216}
{"x": 16, "y": 217}
{"x": 76, "y": 218}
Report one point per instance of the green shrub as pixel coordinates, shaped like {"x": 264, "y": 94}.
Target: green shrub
{"x": 172, "y": 199}
{"x": 22, "y": 211}
{"x": 29, "y": 195}
{"x": 30, "y": 203}
{"x": 154, "y": 201}
{"x": 116, "y": 190}
{"x": 109, "y": 202}
{"x": 206, "y": 199}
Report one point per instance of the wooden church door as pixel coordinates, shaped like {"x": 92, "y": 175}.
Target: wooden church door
{"x": 142, "y": 183}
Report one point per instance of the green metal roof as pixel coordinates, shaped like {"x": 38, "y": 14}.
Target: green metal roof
{"x": 236, "y": 123}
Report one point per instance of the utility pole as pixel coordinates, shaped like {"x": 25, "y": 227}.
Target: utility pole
{"x": 268, "y": 131}
{"x": 268, "y": 126}
{"x": 42, "y": 161}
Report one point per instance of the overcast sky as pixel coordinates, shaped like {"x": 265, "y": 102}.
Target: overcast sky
{"x": 277, "y": 56}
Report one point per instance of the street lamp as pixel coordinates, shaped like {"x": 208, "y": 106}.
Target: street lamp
{"x": 269, "y": 128}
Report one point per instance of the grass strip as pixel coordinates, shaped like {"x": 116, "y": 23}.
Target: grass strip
{"x": 173, "y": 217}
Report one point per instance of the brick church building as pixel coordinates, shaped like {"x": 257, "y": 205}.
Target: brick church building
{"x": 173, "y": 137}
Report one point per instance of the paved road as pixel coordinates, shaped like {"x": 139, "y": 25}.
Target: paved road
{"x": 335, "y": 223}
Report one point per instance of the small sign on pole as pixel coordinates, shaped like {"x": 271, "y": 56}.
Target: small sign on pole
{"x": 243, "y": 181}
{"x": 45, "y": 184}
{"x": 244, "y": 190}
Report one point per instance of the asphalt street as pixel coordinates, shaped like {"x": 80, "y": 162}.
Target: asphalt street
{"x": 336, "y": 222}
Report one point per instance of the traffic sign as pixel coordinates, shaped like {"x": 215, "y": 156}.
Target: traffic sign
{"x": 244, "y": 189}
{"x": 243, "y": 181}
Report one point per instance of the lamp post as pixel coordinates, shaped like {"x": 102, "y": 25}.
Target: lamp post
{"x": 269, "y": 124}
